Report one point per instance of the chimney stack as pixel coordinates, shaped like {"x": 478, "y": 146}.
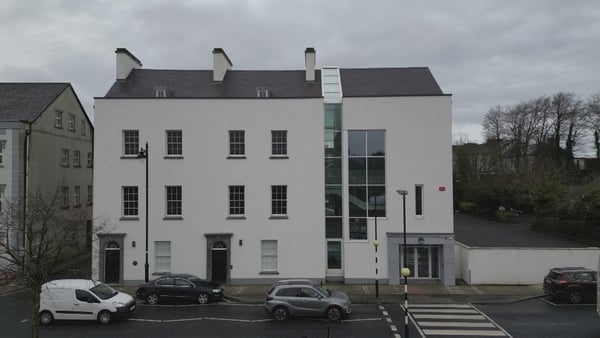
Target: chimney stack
{"x": 126, "y": 62}
{"x": 309, "y": 61}
{"x": 221, "y": 64}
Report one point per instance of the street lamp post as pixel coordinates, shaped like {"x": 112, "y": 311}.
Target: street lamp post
{"x": 405, "y": 270}
{"x": 144, "y": 154}
{"x": 376, "y": 245}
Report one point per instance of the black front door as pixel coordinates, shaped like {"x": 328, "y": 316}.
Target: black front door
{"x": 219, "y": 266}
{"x": 112, "y": 268}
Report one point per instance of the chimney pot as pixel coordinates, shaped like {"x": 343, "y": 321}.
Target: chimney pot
{"x": 309, "y": 61}
{"x": 126, "y": 62}
{"x": 221, "y": 63}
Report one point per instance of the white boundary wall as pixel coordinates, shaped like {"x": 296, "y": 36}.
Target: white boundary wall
{"x": 514, "y": 266}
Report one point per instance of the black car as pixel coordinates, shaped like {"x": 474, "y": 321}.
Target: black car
{"x": 574, "y": 284}
{"x": 179, "y": 287}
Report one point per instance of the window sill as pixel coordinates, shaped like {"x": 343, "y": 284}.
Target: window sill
{"x": 279, "y": 217}
{"x": 268, "y": 273}
{"x": 76, "y": 166}
{"x": 278, "y": 157}
{"x": 173, "y": 157}
{"x": 77, "y": 206}
{"x": 236, "y": 217}
{"x": 236, "y": 157}
{"x": 419, "y": 217}
{"x": 131, "y": 157}
{"x": 64, "y": 165}
{"x": 173, "y": 218}
{"x": 129, "y": 219}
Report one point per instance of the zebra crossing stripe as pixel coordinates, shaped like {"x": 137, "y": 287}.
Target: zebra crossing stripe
{"x": 458, "y": 306}
{"x": 463, "y": 333}
{"x": 443, "y": 311}
{"x": 433, "y": 316}
{"x": 456, "y": 324}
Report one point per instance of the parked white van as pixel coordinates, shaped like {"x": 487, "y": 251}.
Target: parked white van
{"x": 75, "y": 299}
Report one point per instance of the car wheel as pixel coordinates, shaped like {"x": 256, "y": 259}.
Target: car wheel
{"x": 46, "y": 317}
{"x": 104, "y": 317}
{"x": 152, "y": 299}
{"x": 280, "y": 313}
{"x": 574, "y": 297}
{"x": 203, "y": 298}
{"x": 334, "y": 313}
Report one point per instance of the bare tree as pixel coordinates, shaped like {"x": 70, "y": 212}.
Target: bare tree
{"x": 592, "y": 119}
{"x": 42, "y": 239}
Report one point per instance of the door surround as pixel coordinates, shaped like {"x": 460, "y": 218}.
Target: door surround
{"x": 103, "y": 239}
{"x": 211, "y": 239}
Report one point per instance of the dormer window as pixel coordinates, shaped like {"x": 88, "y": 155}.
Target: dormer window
{"x": 161, "y": 92}
{"x": 262, "y": 92}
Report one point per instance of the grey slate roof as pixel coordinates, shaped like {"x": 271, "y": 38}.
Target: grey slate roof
{"x": 479, "y": 232}
{"x": 25, "y": 101}
{"x": 142, "y": 83}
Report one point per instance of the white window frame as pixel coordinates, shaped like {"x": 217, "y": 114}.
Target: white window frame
{"x": 71, "y": 122}
{"x": 279, "y": 140}
{"x": 90, "y": 194}
{"x": 76, "y": 158}
{"x": 2, "y": 145}
{"x": 174, "y": 138}
{"x": 65, "y": 197}
{"x": 268, "y": 254}
{"x": 2, "y": 188}
{"x": 161, "y": 92}
{"x": 65, "y": 157}
{"x": 90, "y": 159}
{"x": 278, "y": 197}
{"x": 76, "y": 195}
{"x": 237, "y": 138}
{"x": 130, "y": 201}
{"x": 131, "y": 142}
{"x": 237, "y": 200}
{"x": 169, "y": 198}
{"x": 58, "y": 119}
{"x": 162, "y": 256}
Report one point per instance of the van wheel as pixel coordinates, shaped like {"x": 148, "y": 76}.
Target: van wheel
{"x": 152, "y": 299}
{"x": 280, "y": 313}
{"x": 334, "y": 313}
{"x": 46, "y": 317}
{"x": 104, "y": 317}
{"x": 203, "y": 298}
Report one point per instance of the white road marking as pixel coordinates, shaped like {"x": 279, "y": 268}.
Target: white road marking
{"x": 456, "y": 324}
{"x": 457, "y": 311}
{"x": 462, "y": 333}
{"x": 428, "y": 316}
{"x": 441, "y": 306}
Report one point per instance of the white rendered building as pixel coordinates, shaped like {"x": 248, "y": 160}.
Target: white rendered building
{"x": 255, "y": 176}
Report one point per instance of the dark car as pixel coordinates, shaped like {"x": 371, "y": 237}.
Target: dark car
{"x": 574, "y": 284}
{"x": 179, "y": 287}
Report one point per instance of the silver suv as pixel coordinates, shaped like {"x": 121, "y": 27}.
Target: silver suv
{"x": 302, "y": 297}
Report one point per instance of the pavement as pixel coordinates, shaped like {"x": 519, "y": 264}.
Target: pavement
{"x": 366, "y": 293}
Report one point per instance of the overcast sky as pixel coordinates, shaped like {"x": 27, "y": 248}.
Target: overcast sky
{"x": 482, "y": 52}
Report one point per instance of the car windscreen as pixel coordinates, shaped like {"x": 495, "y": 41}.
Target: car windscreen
{"x": 103, "y": 291}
